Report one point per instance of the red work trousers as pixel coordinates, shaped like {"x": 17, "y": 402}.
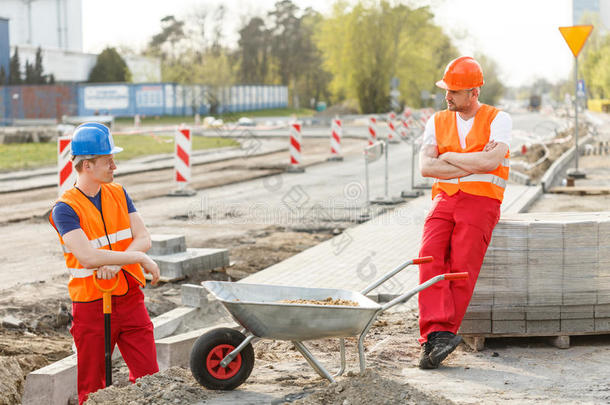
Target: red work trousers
{"x": 132, "y": 331}
{"x": 456, "y": 233}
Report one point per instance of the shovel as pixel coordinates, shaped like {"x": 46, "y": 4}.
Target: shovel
{"x": 107, "y": 305}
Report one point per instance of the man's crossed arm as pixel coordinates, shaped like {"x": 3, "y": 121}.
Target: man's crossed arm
{"x": 451, "y": 165}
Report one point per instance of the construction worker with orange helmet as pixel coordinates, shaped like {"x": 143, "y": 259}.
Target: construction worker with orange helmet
{"x": 103, "y": 236}
{"x": 466, "y": 151}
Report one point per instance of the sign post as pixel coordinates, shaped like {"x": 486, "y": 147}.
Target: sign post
{"x": 576, "y": 36}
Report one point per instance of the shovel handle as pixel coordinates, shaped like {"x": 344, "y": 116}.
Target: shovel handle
{"x": 106, "y": 293}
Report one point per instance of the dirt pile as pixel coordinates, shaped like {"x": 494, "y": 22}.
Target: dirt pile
{"x": 370, "y": 388}
{"x": 172, "y": 386}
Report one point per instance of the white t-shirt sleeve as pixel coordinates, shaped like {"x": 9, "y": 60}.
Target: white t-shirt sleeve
{"x": 501, "y": 128}
{"x": 430, "y": 132}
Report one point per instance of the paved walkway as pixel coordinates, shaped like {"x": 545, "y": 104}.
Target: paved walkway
{"x": 365, "y": 252}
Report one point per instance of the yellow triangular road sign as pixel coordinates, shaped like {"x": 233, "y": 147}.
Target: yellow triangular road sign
{"x": 576, "y": 36}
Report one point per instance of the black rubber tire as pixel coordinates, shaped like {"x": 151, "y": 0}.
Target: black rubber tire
{"x": 208, "y": 341}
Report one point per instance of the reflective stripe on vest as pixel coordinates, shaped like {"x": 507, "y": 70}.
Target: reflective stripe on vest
{"x": 103, "y": 241}
{"x": 80, "y": 273}
{"x": 488, "y": 178}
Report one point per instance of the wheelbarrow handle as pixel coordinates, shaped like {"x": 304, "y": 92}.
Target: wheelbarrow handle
{"x": 106, "y": 293}
{"x": 390, "y": 274}
{"x": 406, "y": 296}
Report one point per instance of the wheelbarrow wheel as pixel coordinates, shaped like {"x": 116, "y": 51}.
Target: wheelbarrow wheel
{"x": 210, "y": 348}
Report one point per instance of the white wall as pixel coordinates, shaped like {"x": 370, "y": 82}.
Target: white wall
{"x": 51, "y": 23}
{"x": 69, "y": 66}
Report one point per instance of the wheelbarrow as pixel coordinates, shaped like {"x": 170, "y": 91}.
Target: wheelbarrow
{"x": 223, "y": 358}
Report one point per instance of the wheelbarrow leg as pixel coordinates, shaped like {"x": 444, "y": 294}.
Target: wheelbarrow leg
{"x": 312, "y": 361}
{"x": 342, "y": 351}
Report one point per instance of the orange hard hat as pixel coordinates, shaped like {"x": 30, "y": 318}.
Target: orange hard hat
{"x": 462, "y": 73}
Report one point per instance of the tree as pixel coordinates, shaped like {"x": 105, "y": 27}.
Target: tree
{"x": 37, "y": 70}
{"x": 14, "y": 77}
{"x": 29, "y": 73}
{"x": 365, "y": 45}
{"x": 164, "y": 44}
{"x": 3, "y": 78}
{"x": 110, "y": 67}
{"x": 254, "y": 51}
{"x": 493, "y": 88}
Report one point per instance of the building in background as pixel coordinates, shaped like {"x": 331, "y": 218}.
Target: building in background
{"x": 4, "y": 46}
{"x": 601, "y": 7}
{"x": 56, "y": 26}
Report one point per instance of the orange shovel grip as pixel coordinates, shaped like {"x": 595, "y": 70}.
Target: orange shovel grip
{"x": 106, "y": 293}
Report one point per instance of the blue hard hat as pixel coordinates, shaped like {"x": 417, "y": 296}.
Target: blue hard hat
{"x": 93, "y": 138}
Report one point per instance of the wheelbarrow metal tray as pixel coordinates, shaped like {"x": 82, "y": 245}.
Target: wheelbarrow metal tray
{"x": 257, "y": 308}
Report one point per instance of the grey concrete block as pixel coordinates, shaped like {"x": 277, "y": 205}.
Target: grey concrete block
{"x": 169, "y": 322}
{"x": 193, "y": 261}
{"x": 602, "y": 324}
{"x": 501, "y": 327}
{"x": 167, "y": 244}
{"x": 579, "y": 297}
{"x": 194, "y": 295}
{"x": 540, "y": 313}
{"x": 475, "y": 312}
{"x": 507, "y": 313}
{"x": 176, "y": 350}
{"x": 476, "y": 326}
{"x": 602, "y": 311}
{"x": 576, "y": 311}
{"x": 577, "y": 325}
{"x": 540, "y": 297}
{"x": 543, "y": 326}
{"x": 54, "y": 384}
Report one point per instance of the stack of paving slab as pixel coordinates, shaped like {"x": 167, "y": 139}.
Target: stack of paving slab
{"x": 544, "y": 274}
{"x": 177, "y": 262}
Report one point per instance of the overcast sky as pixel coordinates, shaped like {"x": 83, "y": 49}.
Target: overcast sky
{"x": 521, "y": 35}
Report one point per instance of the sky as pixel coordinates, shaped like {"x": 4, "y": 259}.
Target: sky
{"x": 522, "y": 36}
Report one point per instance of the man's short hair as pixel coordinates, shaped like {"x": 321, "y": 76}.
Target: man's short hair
{"x": 77, "y": 161}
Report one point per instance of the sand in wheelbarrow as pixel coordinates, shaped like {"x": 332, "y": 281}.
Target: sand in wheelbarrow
{"x": 327, "y": 301}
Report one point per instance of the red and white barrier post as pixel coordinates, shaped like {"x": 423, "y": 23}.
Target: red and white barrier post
{"x": 335, "y": 141}
{"x": 295, "y": 148}
{"x": 66, "y": 173}
{"x": 392, "y": 134}
{"x": 182, "y": 162}
{"x": 372, "y": 134}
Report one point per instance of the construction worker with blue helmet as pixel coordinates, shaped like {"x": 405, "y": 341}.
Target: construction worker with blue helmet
{"x": 104, "y": 241}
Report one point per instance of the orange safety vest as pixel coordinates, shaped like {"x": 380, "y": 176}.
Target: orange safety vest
{"x": 491, "y": 184}
{"x": 109, "y": 230}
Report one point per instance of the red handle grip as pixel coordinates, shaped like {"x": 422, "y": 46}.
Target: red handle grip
{"x": 425, "y": 259}
{"x": 455, "y": 276}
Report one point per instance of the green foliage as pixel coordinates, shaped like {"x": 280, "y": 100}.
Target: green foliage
{"x": 364, "y": 46}
{"x": 14, "y": 77}
{"x": 110, "y": 67}
{"x": 493, "y": 88}
{"x": 594, "y": 60}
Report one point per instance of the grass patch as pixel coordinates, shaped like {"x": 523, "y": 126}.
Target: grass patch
{"x": 19, "y": 156}
{"x": 228, "y": 117}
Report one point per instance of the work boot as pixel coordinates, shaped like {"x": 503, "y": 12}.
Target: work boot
{"x": 424, "y": 357}
{"x": 443, "y": 344}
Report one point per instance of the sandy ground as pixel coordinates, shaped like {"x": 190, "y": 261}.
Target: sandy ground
{"x": 281, "y": 375}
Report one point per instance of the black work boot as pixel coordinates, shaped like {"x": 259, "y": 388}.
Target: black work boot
{"x": 424, "y": 357}
{"x": 443, "y": 344}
